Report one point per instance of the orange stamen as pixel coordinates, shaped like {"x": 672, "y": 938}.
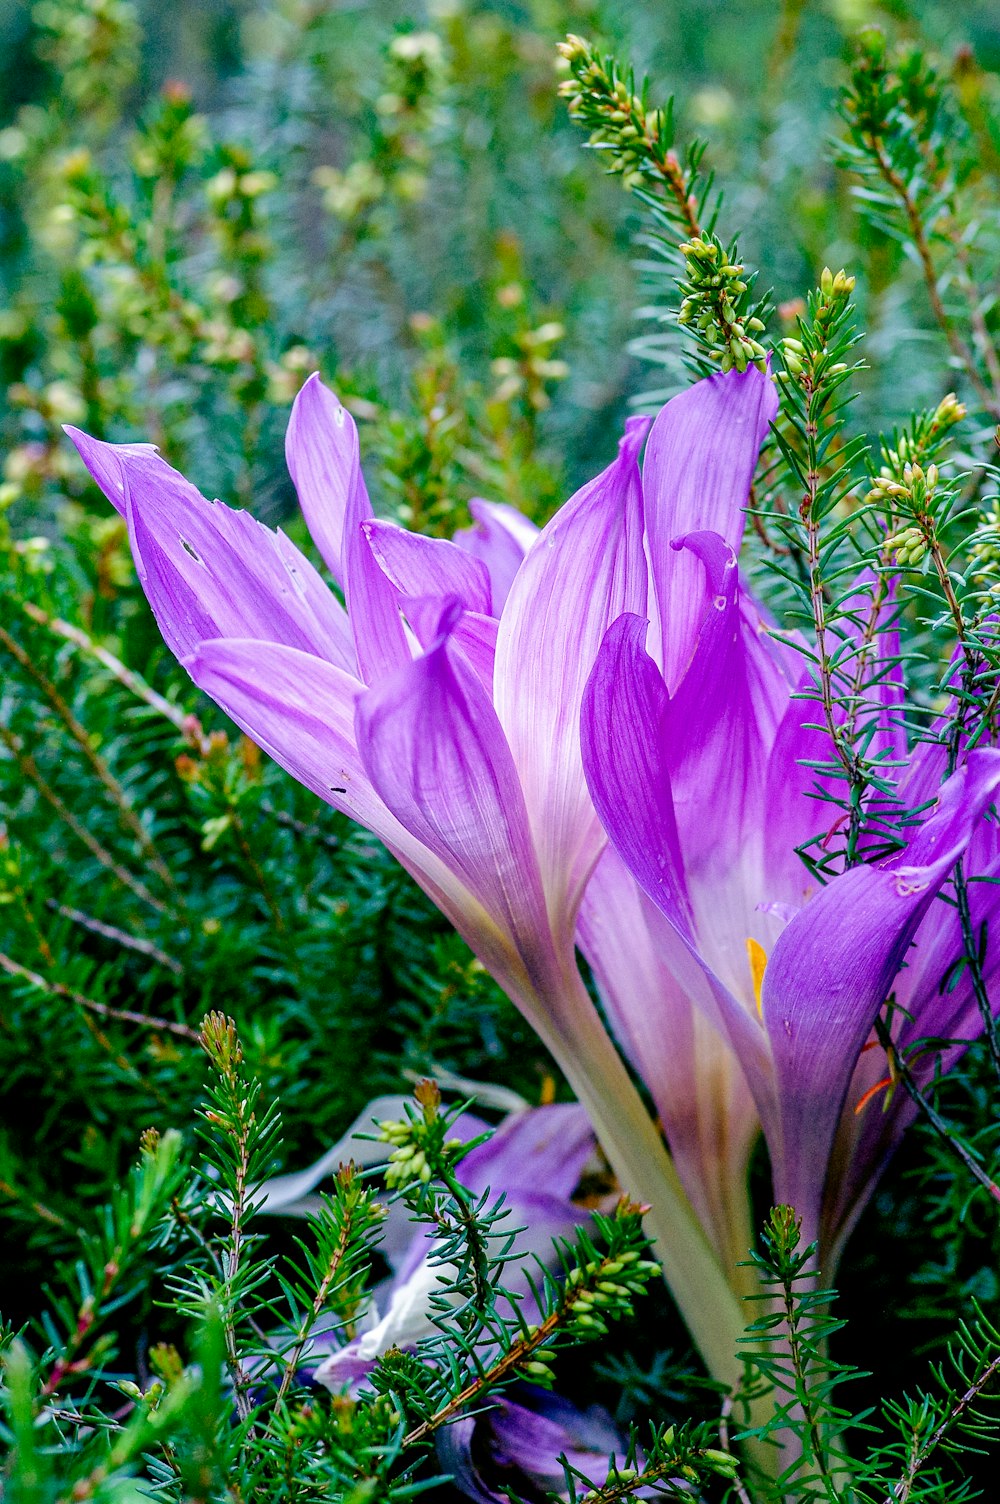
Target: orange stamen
{"x": 757, "y": 956}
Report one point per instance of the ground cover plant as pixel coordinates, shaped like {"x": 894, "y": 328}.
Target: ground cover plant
{"x": 497, "y": 955}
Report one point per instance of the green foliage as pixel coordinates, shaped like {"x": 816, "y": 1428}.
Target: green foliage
{"x": 195, "y": 211}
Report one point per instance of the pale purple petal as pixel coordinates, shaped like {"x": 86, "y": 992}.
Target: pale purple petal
{"x": 834, "y": 967}
{"x": 437, "y": 756}
{"x": 500, "y": 537}
{"x": 422, "y": 567}
{"x": 301, "y": 711}
{"x": 372, "y": 601}
{"x": 209, "y": 571}
{"x": 542, "y": 1148}
{"x": 321, "y": 450}
{"x": 660, "y": 1007}
{"x": 696, "y": 477}
{"x": 586, "y": 568}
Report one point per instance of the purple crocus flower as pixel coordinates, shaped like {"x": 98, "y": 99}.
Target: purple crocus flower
{"x": 593, "y": 735}
{"x": 792, "y": 974}
{"x": 441, "y": 708}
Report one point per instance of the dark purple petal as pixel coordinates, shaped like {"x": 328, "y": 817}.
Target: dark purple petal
{"x": 626, "y": 752}
{"x": 723, "y": 718}
{"x": 834, "y": 967}
{"x": 429, "y": 567}
{"x": 209, "y": 571}
{"x": 437, "y": 756}
{"x": 696, "y": 477}
{"x": 500, "y": 537}
{"x": 624, "y": 738}
{"x": 512, "y": 1448}
{"x": 866, "y": 645}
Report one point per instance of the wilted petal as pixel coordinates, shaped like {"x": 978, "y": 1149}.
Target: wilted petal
{"x": 696, "y": 477}
{"x": 429, "y": 567}
{"x": 586, "y": 567}
{"x": 834, "y": 967}
{"x": 209, "y": 571}
{"x": 534, "y": 1161}
{"x": 500, "y": 538}
{"x": 512, "y": 1449}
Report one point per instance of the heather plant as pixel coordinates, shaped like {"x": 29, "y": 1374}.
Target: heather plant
{"x": 700, "y": 765}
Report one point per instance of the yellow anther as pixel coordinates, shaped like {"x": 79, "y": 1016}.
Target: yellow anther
{"x": 757, "y": 956}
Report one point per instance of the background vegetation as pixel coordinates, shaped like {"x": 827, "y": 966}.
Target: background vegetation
{"x": 199, "y": 204}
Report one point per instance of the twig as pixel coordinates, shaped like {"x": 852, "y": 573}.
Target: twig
{"x": 308, "y": 832}
{"x": 957, "y": 344}
{"x": 930, "y": 1112}
{"x": 127, "y": 677}
{"x": 31, "y": 770}
{"x": 103, "y": 1010}
{"x": 121, "y": 937}
{"x": 724, "y": 1442}
{"x": 900, "y": 1491}
{"x": 98, "y": 766}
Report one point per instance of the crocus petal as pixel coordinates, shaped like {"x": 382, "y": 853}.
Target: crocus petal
{"x": 300, "y": 710}
{"x": 437, "y": 756}
{"x": 626, "y": 756}
{"x": 321, "y": 451}
{"x": 321, "y": 447}
{"x": 659, "y": 1004}
{"x": 834, "y": 967}
{"x": 542, "y": 1147}
{"x": 586, "y": 568}
{"x": 723, "y": 717}
{"x": 500, "y": 538}
{"x": 865, "y": 646}
{"x": 696, "y": 477}
{"x": 623, "y": 729}
{"x": 534, "y": 1161}
{"x": 936, "y": 1002}
{"x": 420, "y": 566}
{"x": 209, "y": 571}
